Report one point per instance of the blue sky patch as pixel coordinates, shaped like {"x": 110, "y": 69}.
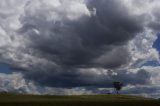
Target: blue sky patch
{"x": 157, "y": 43}
{"x": 4, "y": 68}
{"x": 151, "y": 63}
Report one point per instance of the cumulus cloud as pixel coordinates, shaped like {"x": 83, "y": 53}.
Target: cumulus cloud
{"x": 15, "y": 83}
{"x": 79, "y": 43}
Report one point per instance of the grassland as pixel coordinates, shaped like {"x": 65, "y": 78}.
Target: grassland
{"x": 83, "y": 100}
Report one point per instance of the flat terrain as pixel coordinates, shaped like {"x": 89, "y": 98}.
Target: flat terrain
{"x": 83, "y": 100}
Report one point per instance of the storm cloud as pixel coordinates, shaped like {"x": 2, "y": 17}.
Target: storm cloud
{"x": 79, "y": 43}
{"x": 83, "y": 41}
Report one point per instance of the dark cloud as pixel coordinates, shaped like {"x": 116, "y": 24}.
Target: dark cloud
{"x": 79, "y": 42}
{"x": 83, "y": 78}
{"x": 90, "y": 41}
{"x": 75, "y": 43}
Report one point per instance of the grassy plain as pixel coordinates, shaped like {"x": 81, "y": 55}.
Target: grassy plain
{"x": 83, "y": 100}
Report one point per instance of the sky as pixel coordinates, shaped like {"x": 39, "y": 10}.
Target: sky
{"x": 71, "y": 47}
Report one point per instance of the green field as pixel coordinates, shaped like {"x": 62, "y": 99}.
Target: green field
{"x": 83, "y": 100}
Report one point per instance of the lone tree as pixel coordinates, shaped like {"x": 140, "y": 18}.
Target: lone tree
{"x": 117, "y": 86}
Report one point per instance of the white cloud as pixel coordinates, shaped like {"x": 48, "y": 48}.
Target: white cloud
{"x": 13, "y": 82}
{"x": 57, "y": 10}
{"x": 141, "y": 48}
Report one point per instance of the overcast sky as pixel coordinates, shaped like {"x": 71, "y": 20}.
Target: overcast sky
{"x": 80, "y": 46}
